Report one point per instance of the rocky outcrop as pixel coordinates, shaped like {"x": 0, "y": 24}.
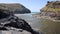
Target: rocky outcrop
{"x": 15, "y": 7}
{"x": 52, "y": 9}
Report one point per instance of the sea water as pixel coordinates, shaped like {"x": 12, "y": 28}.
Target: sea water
{"x": 30, "y": 19}
{"x": 43, "y": 25}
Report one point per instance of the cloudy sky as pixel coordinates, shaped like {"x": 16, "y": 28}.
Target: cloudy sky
{"x": 33, "y": 5}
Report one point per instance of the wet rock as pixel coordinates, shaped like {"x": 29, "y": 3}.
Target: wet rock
{"x": 14, "y": 23}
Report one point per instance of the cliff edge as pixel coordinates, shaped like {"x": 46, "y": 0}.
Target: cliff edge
{"x": 52, "y": 9}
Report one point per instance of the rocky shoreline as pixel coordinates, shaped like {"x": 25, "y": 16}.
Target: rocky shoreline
{"x": 46, "y": 17}
{"x": 49, "y": 18}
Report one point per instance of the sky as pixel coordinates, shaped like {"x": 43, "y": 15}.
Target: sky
{"x": 33, "y": 5}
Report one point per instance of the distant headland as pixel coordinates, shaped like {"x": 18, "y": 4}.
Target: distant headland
{"x": 15, "y": 7}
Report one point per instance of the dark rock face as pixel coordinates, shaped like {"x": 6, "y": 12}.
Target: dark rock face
{"x": 15, "y": 22}
{"x": 15, "y": 7}
{"x": 3, "y": 14}
{"x": 17, "y": 11}
{"x": 20, "y": 24}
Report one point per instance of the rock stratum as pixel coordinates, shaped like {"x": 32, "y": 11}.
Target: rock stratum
{"x": 52, "y": 9}
{"x": 15, "y": 7}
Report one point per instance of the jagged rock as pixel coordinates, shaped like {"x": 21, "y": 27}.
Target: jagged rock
{"x": 11, "y": 22}
{"x": 4, "y": 14}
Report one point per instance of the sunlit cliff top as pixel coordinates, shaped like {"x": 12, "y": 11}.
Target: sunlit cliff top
{"x": 52, "y": 6}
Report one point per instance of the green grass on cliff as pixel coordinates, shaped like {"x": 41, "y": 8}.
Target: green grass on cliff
{"x": 50, "y": 9}
{"x": 52, "y": 6}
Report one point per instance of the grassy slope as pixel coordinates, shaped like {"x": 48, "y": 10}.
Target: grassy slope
{"x": 50, "y": 7}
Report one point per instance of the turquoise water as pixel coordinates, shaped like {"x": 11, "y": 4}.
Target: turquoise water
{"x": 33, "y": 13}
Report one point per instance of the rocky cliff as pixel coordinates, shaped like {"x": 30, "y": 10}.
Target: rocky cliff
{"x": 51, "y": 9}
{"x": 15, "y": 7}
